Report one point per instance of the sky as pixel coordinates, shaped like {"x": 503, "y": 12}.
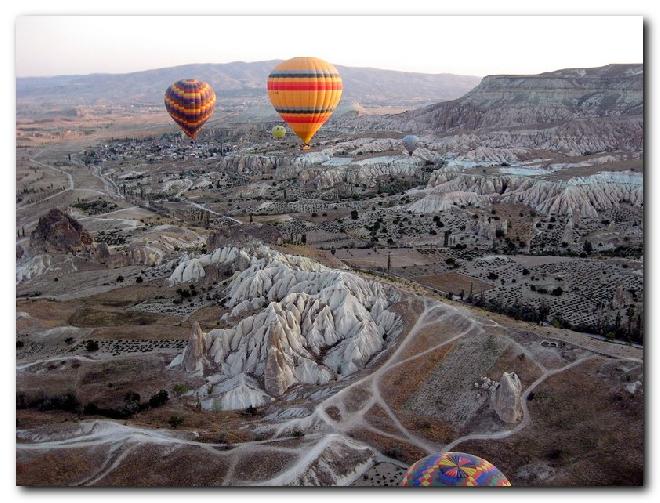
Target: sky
{"x": 461, "y": 45}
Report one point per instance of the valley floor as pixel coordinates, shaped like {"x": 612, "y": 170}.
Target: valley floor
{"x": 96, "y": 337}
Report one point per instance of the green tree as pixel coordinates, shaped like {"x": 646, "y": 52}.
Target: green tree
{"x": 175, "y": 421}
{"x": 630, "y": 313}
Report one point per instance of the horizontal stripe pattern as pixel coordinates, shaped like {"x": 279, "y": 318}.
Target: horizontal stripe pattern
{"x": 304, "y": 86}
{"x": 310, "y": 110}
{"x": 190, "y": 103}
{"x": 296, "y": 119}
{"x": 303, "y": 74}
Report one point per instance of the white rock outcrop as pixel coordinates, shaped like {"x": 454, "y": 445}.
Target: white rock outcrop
{"x": 193, "y": 269}
{"x": 580, "y": 197}
{"x": 193, "y": 358}
{"x": 28, "y": 268}
{"x": 239, "y": 392}
{"x": 312, "y": 324}
{"x": 507, "y": 398}
{"x": 443, "y": 201}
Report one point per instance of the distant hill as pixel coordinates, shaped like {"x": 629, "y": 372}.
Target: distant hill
{"x": 572, "y": 110}
{"x": 237, "y": 80}
{"x": 510, "y": 101}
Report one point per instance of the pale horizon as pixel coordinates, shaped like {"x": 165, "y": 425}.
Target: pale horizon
{"x": 462, "y": 45}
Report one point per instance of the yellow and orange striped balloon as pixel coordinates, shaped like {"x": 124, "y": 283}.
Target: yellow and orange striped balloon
{"x": 190, "y": 103}
{"x": 305, "y": 92}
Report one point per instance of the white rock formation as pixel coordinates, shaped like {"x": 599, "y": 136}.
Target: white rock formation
{"x": 187, "y": 270}
{"x": 239, "y": 392}
{"x": 31, "y": 267}
{"x": 436, "y": 202}
{"x": 313, "y": 324}
{"x": 507, "y": 398}
{"x": 582, "y": 197}
{"x": 177, "y": 186}
{"x": 193, "y": 357}
{"x": 366, "y": 171}
{"x": 248, "y": 164}
{"x": 34, "y": 266}
{"x": 192, "y": 269}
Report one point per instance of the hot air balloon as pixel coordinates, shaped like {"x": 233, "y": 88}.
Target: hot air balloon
{"x": 453, "y": 469}
{"x": 305, "y": 92}
{"x": 190, "y": 103}
{"x": 278, "y": 132}
{"x": 410, "y": 142}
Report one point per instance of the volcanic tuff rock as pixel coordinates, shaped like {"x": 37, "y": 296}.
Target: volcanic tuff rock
{"x": 506, "y": 399}
{"x": 29, "y": 267}
{"x": 249, "y": 165}
{"x": 437, "y": 202}
{"x": 581, "y": 197}
{"x": 193, "y": 356}
{"x": 345, "y": 163}
{"x": 239, "y": 392}
{"x": 309, "y": 323}
{"x": 192, "y": 269}
{"x": 58, "y": 232}
{"x": 367, "y": 173}
{"x": 574, "y": 137}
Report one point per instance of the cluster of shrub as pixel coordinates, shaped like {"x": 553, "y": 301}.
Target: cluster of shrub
{"x": 95, "y": 207}
{"x": 517, "y": 311}
{"x": 633, "y": 331}
{"x": 69, "y": 402}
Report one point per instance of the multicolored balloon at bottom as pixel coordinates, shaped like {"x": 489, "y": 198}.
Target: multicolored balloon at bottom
{"x": 453, "y": 469}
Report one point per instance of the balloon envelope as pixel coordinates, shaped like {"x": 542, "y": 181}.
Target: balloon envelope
{"x": 279, "y": 132}
{"x": 453, "y": 469}
{"x": 305, "y": 92}
{"x": 190, "y": 103}
{"x": 410, "y": 142}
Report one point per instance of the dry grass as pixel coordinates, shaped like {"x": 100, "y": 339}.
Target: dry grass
{"x": 454, "y": 282}
{"x": 392, "y": 447}
{"x": 589, "y": 433}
